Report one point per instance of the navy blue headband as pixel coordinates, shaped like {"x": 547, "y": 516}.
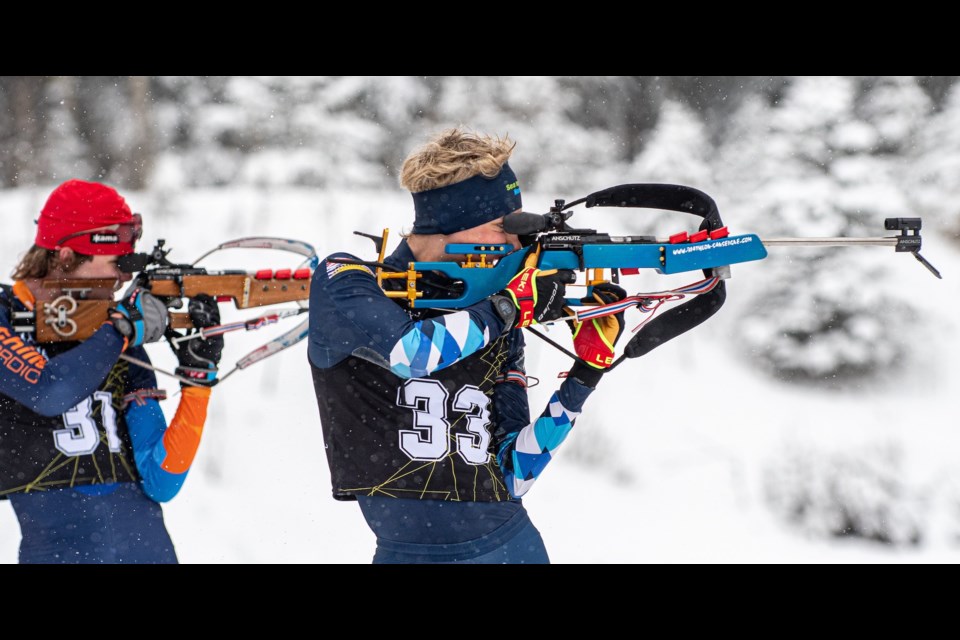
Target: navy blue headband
{"x": 466, "y": 204}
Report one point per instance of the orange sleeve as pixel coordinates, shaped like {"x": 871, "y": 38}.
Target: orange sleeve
{"x": 182, "y": 437}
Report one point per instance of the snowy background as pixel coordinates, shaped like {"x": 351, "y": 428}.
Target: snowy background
{"x": 809, "y": 421}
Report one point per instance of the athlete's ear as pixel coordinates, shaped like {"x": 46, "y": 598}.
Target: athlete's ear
{"x": 66, "y": 256}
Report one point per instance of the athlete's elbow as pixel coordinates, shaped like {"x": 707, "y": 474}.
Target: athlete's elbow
{"x": 518, "y": 488}
{"x": 405, "y": 373}
{"x": 160, "y": 494}
{"x": 405, "y": 366}
{"x": 162, "y": 490}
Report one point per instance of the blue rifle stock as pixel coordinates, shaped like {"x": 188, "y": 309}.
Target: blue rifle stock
{"x": 579, "y": 252}
{"x": 488, "y": 268}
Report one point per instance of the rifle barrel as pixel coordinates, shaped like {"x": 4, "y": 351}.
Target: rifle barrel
{"x": 829, "y": 242}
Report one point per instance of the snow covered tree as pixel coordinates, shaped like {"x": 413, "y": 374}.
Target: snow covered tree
{"x": 628, "y": 107}
{"x": 858, "y": 494}
{"x": 824, "y": 163}
{"x": 63, "y": 154}
{"x": 934, "y": 168}
{"x": 22, "y": 128}
{"x": 716, "y": 98}
{"x": 322, "y": 131}
{"x": 676, "y": 151}
{"x": 555, "y": 154}
{"x": 112, "y": 118}
{"x": 58, "y": 127}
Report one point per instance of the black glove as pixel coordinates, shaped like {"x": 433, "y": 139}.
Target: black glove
{"x": 140, "y": 317}
{"x": 199, "y": 357}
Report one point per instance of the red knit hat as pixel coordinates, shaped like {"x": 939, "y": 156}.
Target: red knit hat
{"x": 90, "y": 218}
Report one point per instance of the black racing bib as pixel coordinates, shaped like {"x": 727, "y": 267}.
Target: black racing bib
{"x": 425, "y": 438}
{"x": 88, "y": 444}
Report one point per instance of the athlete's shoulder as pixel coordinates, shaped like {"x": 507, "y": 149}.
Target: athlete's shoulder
{"x": 341, "y": 264}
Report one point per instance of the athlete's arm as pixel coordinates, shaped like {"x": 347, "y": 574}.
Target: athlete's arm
{"x": 351, "y": 315}
{"x": 51, "y": 387}
{"x": 163, "y": 454}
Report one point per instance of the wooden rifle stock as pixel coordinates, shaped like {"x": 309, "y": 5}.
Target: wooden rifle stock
{"x": 73, "y": 316}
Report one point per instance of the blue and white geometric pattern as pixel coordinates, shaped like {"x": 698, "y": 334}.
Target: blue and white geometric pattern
{"x": 431, "y": 345}
{"x": 530, "y": 449}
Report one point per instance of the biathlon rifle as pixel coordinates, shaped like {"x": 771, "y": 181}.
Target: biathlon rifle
{"x": 486, "y": 269}
{"x": 75, "y": 315}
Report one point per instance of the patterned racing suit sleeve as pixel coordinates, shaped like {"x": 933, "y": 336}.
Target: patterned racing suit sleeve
{"x": 51, "y": 387}
{"x": 351, "y": 316}
{"x": 525, "y": 448}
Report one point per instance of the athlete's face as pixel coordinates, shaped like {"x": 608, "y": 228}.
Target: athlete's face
{"x": 101, "y": 267}
{"x": 490, "y": 233}
{"x": 97, "y": 268}
{"x": 432, "y": 248}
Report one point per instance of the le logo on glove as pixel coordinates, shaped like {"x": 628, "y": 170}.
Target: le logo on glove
{"x": 539, "y": 295}
{"x": 595, "y": 339}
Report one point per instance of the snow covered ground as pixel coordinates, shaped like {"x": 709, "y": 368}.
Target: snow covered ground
{"x": 671, "y": 461}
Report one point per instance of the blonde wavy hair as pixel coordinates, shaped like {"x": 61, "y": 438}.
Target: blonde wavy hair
{"x": 453, "y": 156}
